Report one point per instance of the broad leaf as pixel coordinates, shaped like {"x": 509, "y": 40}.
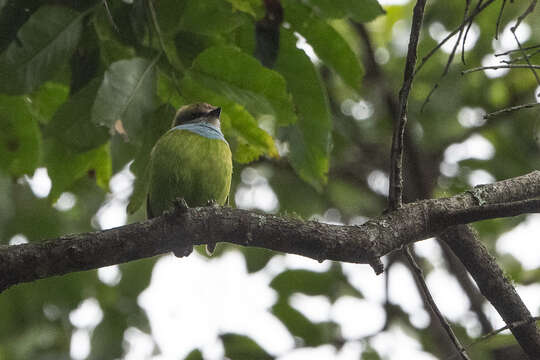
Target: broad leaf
{"x": 331, "y": 283}
{"x": 252, "y": 7}
{"x": 43, "y": 44}
{"x": 66, "y": 167}
{"x": 327, "y": 42}
{"x": 45, "y": 101}
{"x": 358, "y": 10}
{"x": 160, "y": 121}
{"x": 242, "y": 347}
{"x": 309, "y": 139}
{"x": 209, "y": 17}
{"x": 126, "y": 95}
{"x": 19, "y": 137}
{"x": 241, "y": 78}
{"x": 313, "y": 334}
{"x": 72, "y": 125}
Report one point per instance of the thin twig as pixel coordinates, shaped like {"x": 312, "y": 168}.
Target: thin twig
{"x": 447, "y": 66}
{"x": 517, "y": 50}
{"x": 476, "y": 11}
{"x": 499, "y": 20}
{"x": 495, "y": 332}
{"x": 395, "y": 199}
{"x": 513, "y": 30}
{"x": 528, "y": 56}
{"x": 529, "y": 10}
{"x": 511, "y": 109}
{"x": 418, "y": 273}
{"x": 496, "y": 67}
{"x": 467, "y": 6}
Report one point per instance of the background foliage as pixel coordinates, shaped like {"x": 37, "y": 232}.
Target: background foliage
{"x": 86, "y": 89}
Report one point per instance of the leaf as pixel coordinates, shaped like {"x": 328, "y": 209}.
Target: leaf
{"x": 210, "y": 17}
{"x": 241, "y": 78}
{"x": 194, "y": 355}
{"x": 71, "y": 124}
{"x": 327, "y": 43}
{"x": 312, "y": 334}
{"x": 358, "y": 10}
{"x": 331, "y": 283}
{"x": 252, "y": 7}
{"x": 310, "y": 138}
{"x": 126, "y": 95}
{"x": 160, "y": 122}
{"x": 45, "y": 101}
{"x": 239, "y": 347}
{"x": 43, "y": 44}
{"x": 195, "y": 17}
{"x": 19, "y": 138}
{"x": 247, "y": 140}
{"x": 256, "y": 258}
{"x": 66, "y": 167}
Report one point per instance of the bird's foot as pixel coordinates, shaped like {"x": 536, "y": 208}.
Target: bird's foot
{"x": 180, "y": 204}
{"x": 212, "y": 203}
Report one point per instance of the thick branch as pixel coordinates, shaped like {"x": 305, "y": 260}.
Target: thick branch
{"x": 495, "y": 286}
{"x": 181, "y": 227}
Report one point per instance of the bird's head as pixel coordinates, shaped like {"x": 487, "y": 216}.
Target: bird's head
{"x": 197, "y": 113}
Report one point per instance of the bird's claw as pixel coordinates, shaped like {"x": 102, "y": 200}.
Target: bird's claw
{"x": 180, "y": 204}
{"x": 212, "y": 203}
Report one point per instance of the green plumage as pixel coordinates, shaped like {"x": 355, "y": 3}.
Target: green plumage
{"x": 187, "y": 165}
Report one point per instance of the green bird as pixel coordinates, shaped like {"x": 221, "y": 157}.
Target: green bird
{"x": 191, "y": 161}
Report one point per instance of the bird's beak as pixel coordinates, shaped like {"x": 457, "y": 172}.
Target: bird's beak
{"x": 215, "y": 113}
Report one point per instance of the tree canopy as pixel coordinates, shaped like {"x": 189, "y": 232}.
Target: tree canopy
{"x": 310, "y": 92}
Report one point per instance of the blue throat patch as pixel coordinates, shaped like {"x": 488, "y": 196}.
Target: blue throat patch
{"x": 203, "y": 129}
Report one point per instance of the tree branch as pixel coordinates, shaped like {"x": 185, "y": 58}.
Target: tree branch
{"x": 180, "y": 227}
{"x": 494, "y": 285}
{"x": 396, "y": 155}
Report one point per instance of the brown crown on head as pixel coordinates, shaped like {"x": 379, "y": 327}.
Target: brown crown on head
{"x": 195, "y": 113}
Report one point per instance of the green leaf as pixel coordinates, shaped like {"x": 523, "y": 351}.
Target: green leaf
{"x": 19, "y": 138}
{"x": 241, "y": 78}
{"x": 71, "y": 124}
{"x": 194, "y": 355}
{"x": 210, "y": 17}
{"x": 126, "y": 95}
{"x": 66, "y": 167}
{"x": 252, "y": 7}
{"x": 331, "y": 283}
{"x": 45, "y": 101}
{"x": 327, "y": 43}
{"x": 43, "y": 44}
{"x": 160, "y": 122}
{"x": 300, "y": 326}
{"x": 247, "y": 140}
{"x": 358, "y": 10}
{"x": 310, "y": 138}
{"x": 256, "y": 258}
{"x": 240, "y": 347}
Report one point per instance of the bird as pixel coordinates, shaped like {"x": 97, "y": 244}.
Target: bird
{"x": 192, "y": 160}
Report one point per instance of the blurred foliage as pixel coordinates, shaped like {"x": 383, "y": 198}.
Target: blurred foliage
{"x": 85, "y": 89}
